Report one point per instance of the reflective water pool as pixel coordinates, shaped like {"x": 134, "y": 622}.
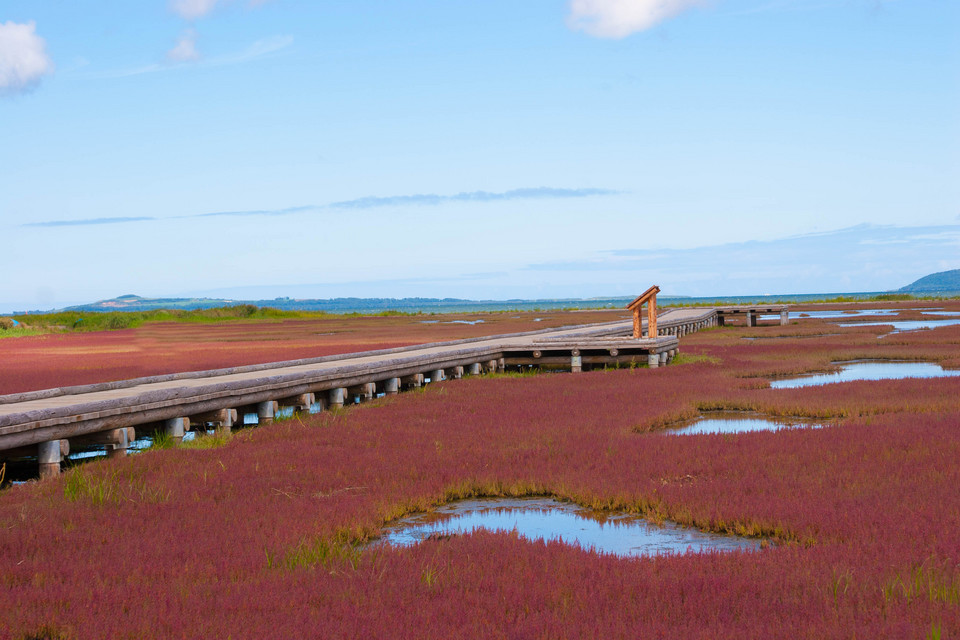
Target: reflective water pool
{"x": 548, "y": 519}
{"x": 868, "y": 371}
{"x": 907, "y": 325}
{"x": 851, "y": 313}
{"x": 739, "y": 422}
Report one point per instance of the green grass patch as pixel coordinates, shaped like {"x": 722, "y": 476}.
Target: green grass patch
{"x": 84, "y": 484}
{"x": 65, "y": 321}
{"x": 925, "y": 582}
{"x": 318, "y": 552}
{"x": 161, "y": 440}
{"x": 20, "y": 332}
{"x": 529, "y": 373}
{"x": 218, "y": 439}
{"x": 685, "y": 358}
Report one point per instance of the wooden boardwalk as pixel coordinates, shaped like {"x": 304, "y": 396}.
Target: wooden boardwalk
{"x": 46, "y": 423}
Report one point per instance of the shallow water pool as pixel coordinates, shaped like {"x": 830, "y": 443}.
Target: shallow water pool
{"x": 549, "y": 519}
{"x": 868, "y": 371}
{"x": 907, "y": 325}
{"x": 739, "y": 422}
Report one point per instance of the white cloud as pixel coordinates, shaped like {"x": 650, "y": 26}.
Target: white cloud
{"x": 186, "y": 48}
{"x": 620, "y": 18}
{"x": 191, "y": 9}
{"x": 23, "y": 57}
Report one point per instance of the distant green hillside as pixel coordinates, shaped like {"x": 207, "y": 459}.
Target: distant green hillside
{"x": 935, "y": 282}
{"x": 334, "y": 305}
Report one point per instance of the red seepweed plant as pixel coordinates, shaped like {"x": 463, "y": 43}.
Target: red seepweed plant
{"x": 262, "y": 536}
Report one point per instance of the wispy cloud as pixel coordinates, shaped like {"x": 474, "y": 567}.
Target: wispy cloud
{"x": 371, "y": 202}
{"x": 192, "y": 9}
{"x": 433, "y": 199}
{"x": 783, "y": 6}
{"x": 23, "y": 58}
{"x": 861, "y": 258}
{"x": 259, "y": 49}
{"x": 86, "y": 221}
{"x": 256, "y": 212}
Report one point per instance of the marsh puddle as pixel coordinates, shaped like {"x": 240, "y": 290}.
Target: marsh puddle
{"x": 849, "y": 313}
{"x": 739, "y": 422}
{"x": 548, "y": 519}
{"x": 907, "y": 325}
{"x": 791, "y": 337}
{"x": 851, "y": 371}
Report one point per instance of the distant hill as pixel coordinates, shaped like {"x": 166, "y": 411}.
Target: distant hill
{"x": 333, "y": 305}
{"x": 935, "y": 282}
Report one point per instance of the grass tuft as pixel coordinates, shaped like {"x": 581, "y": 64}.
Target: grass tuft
{"x": 219, "y": 438}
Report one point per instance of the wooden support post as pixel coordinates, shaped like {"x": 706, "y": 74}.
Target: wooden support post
{"x": 49, "y": 456}
{"x": 360, "y": 393}
{"x": 391, "y": 386}
{"x": 224, "y": 420}
{"x": 336, "y": 396}
{"x": 784, "y": 317}
{"x": 414, "y": 380}
{"x": 175, "y": 428}
{"x": 267, "y": 411}
{"x": 652, "y": 317}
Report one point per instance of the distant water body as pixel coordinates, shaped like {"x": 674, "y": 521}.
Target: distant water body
{"x": 469, "y": 306}
{"x": 455, "y": 305}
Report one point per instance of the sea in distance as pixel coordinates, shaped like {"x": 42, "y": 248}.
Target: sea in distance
{"x": 448, "y": 305}
{"x": 458, "y": 305}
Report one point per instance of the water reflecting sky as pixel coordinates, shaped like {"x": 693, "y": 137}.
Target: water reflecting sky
{"x": 548, "y": 519}
{"x": 868, "y": 371}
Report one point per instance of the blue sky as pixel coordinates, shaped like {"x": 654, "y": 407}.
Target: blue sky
{"x": 475, "y": 149}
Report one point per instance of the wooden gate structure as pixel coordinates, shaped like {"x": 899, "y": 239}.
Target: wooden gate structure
{"x": 648, "y": 297}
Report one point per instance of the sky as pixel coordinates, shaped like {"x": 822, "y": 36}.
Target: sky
{"x": 486, "y": 150}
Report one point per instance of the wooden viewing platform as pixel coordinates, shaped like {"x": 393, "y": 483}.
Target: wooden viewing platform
{"x": 48, "y": 423}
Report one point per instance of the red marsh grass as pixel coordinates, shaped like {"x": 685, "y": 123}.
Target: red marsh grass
{"x": 257, "y": 538}
{"x": 58, "y": 360}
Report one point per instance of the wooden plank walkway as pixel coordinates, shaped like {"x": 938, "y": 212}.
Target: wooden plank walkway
{"x": 43, "y": 423}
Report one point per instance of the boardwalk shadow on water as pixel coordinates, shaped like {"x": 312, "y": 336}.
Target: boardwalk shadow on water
{"x": 549, "y": 519}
